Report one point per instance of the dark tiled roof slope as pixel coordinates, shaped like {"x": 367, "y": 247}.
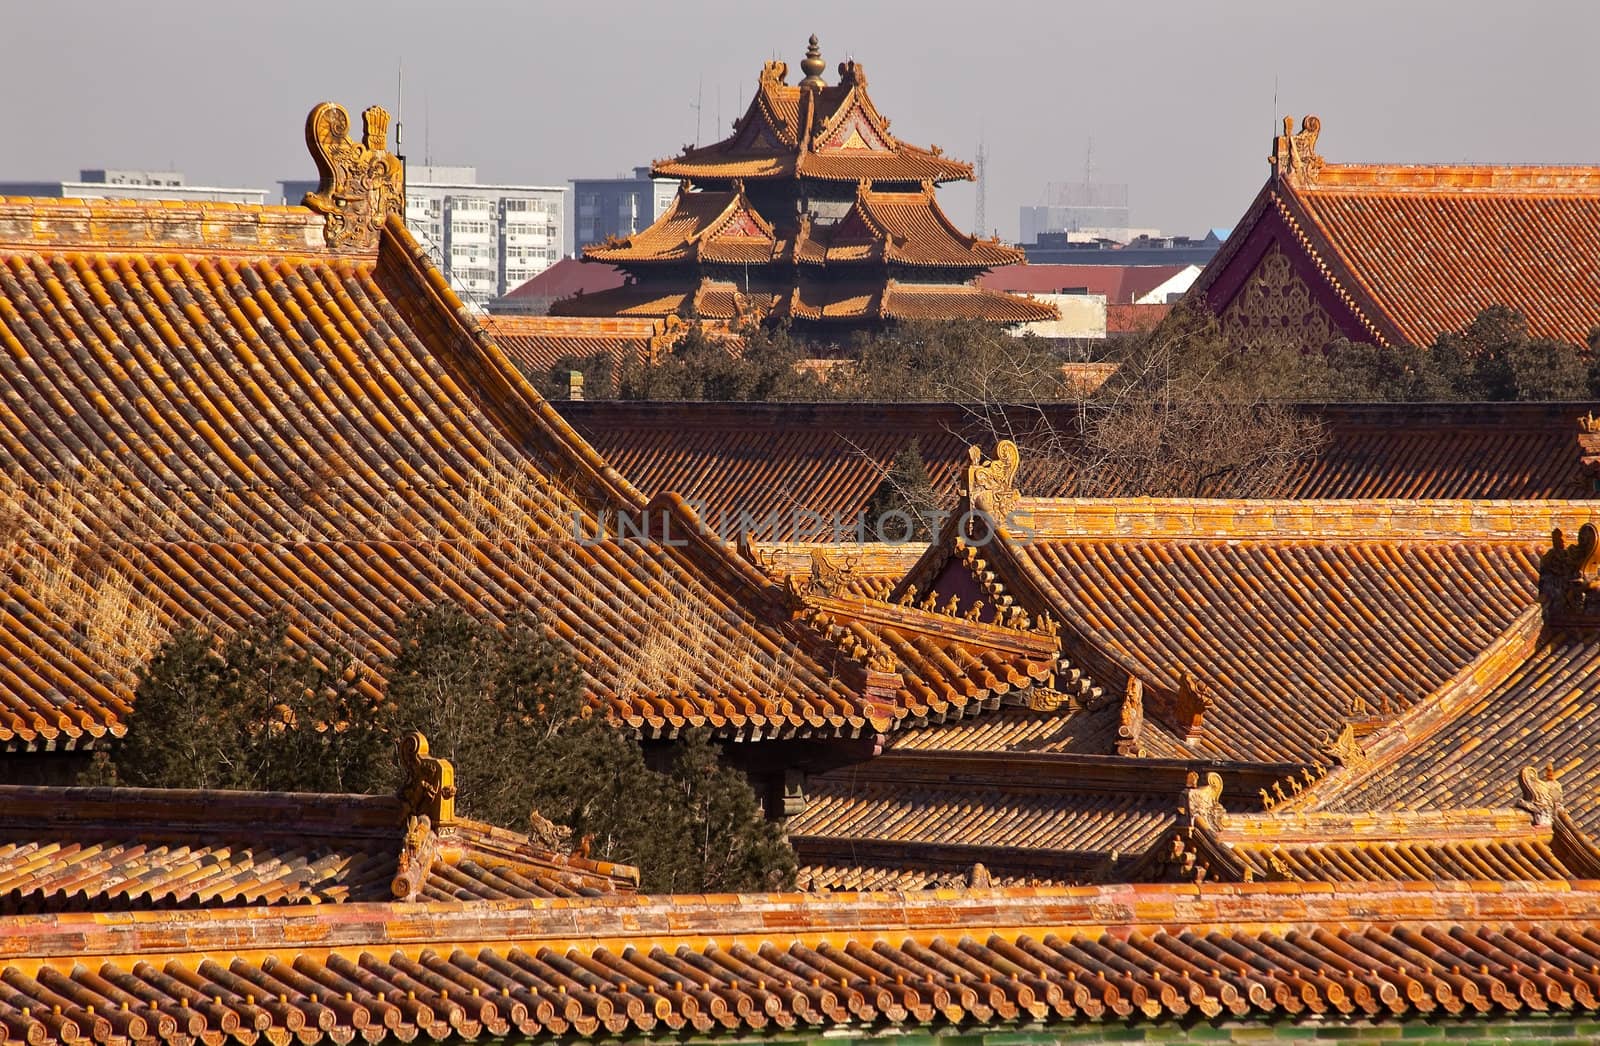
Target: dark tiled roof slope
{"x": 1089, "y": 732}
{"x": 1290, "y": 618}
{"x": 771, "y": 460}
{"x": 1288, "y": 635}
{"x": 538, "y": 343}
{"x": 916, "y": 818}
{"x": 1434, "y": 846}
{"x": 1541, "y": 713}
{"x": 1433, "y": 247}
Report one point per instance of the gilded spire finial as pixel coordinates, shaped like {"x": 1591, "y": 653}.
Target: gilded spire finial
{"x": 813, "y": 65}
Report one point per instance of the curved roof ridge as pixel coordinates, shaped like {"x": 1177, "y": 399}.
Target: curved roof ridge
{"x": 1271, "y": 519}
{"x": 493, "y": 371}
{"x": 739, "y": 202}
{"x": 1453, "y": 178}
{"x": 927, "y": 195}
{"x": 1385, "y": 746}
{"x": 771, "y": 114}
{"x": 180, "y": 226}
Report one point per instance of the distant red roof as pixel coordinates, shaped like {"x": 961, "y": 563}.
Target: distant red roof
{"x": 566, "y": 278}
{"x": 1121, "y": 284}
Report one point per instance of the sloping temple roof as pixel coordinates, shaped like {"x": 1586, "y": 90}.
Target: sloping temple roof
{"x": 111, "y": 849}
{"x": 813, "y": 130}
{"x": 738, "y": 965}
{"x": 1400, "y": 253}
{"x": 210, "y": 414}
{"x": 1256, "y": 631}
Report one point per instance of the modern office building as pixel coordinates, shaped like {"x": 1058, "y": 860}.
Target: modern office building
{"x": 487, "y": 238}
{"x": 1060, "y": 248}
{"x": 617, "y": 206}
{"x": 1085, "y": 211}
{"x": 127, "y": 184}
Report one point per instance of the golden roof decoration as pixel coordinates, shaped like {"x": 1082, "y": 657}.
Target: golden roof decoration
{"x": 991, "y": 486}
{"x": 1296, "y": 153}
{"x": 429, "y": 786}
{"x": 360, "y": 183}
{"x": 1189, "y": 705}
{"x": 812, "y": 65}
{"x": 1589, "y": 445}
{"x": 1541, "y": 795}
{"x": 1203, "y": 801}
{"x": 1130, "y": 721}
{"x": 1569, "y": 578}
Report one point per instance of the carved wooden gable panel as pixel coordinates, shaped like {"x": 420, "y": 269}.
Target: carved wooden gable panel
{"x": 1275, "y": 301}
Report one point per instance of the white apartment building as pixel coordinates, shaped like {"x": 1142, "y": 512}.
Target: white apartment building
{"x": 128, "y": 184}
{"x": 487, "y": 239}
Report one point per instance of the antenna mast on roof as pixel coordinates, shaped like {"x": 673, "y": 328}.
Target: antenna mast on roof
{"x": 400, "y": 117}
{"x": 980, "y": 216}
{"x": 699, "y": 92}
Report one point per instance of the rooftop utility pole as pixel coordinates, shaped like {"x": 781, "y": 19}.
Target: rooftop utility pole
{"x": 400, "y": 119}
{"x": 980, "y": 217}
{"x": 699, "y": 92}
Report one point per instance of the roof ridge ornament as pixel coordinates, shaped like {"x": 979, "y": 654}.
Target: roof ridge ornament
{"x": 1296, "y": 153}
{"x": 428, "y": 787}
{"x": 1589, "y": 449}
{"x": 990, "y": 486}
{"x": 813, "y": 65}
{"x": 359, "y": 183}
{"x": 1569, "y": 578}
{"x": 1345, "y": 749}
{"x": 419, "y": 848}
{"x": 1541, "y": 795}
{"x": 850, "y": 72}
{"x": 775, "y": 73}
{"x": 1202, "y": 800}
{"x": 1130, "y": 719}
{"x": 1190, "y": 702}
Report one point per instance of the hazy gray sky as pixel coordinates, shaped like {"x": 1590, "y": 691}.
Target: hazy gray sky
{"x": 1177, "y": 97}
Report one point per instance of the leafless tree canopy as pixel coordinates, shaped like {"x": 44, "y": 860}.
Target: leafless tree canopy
{"x": 1185, "y": 415}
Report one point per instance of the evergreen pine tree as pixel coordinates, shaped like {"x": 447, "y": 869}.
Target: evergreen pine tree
{"x": 905, "y": 493}
{"x": 504, "y": 703}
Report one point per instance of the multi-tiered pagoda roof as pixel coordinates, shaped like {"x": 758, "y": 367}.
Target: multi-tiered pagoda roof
{"x": 810, "y": 209}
